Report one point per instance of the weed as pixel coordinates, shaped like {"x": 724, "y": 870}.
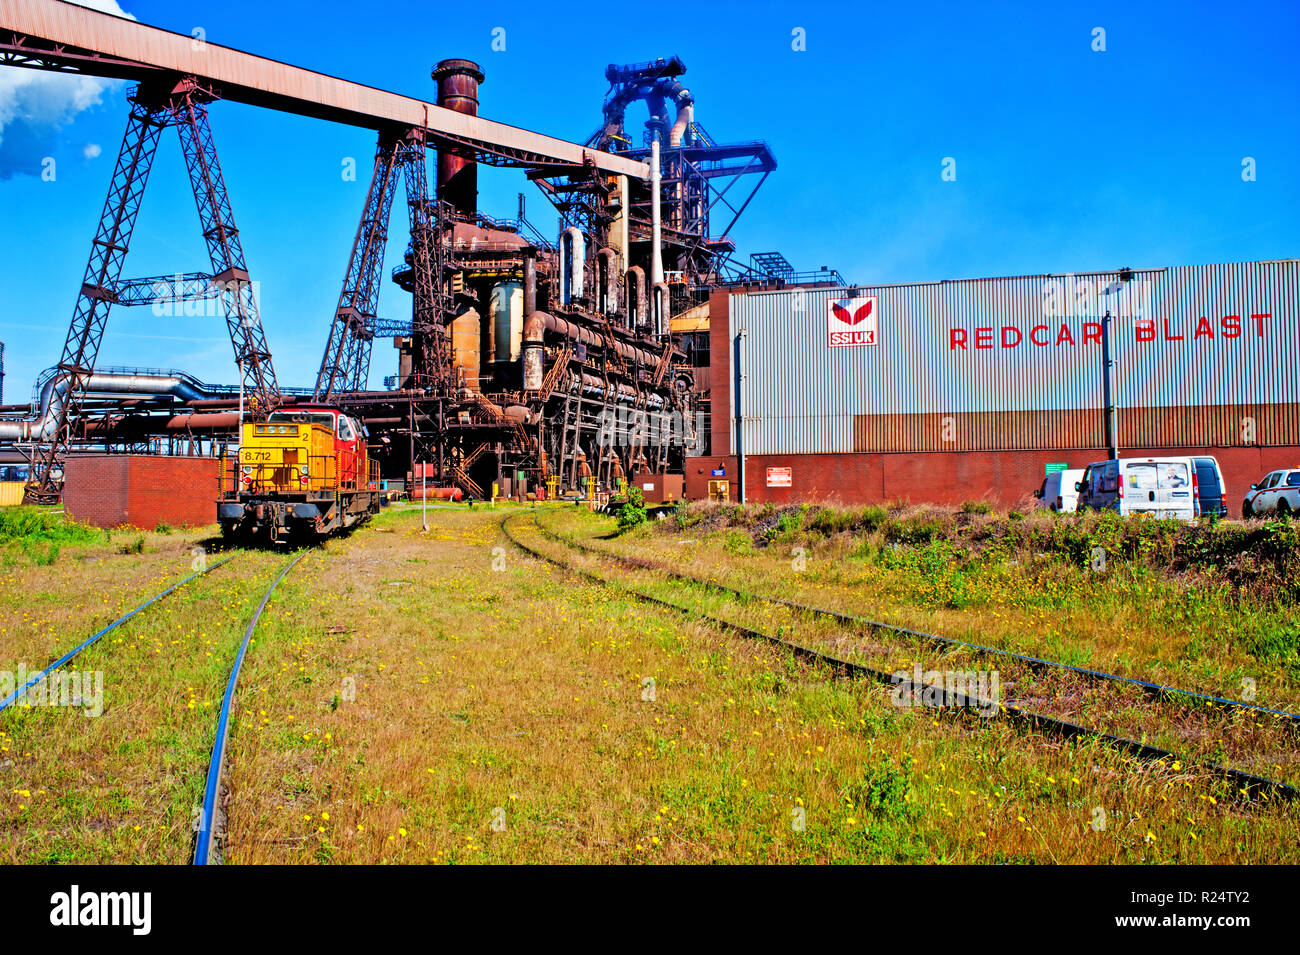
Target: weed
{"x": 632, "y": 513}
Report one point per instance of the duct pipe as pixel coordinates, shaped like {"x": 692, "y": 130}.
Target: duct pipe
{"x": 660, "y": 310}
{"x": 530, "y": 282}
{"x": 533, "y": 352}
{"x": 656, "y": 237}
{"x": 573, "y": 253}
{"x": 685, "y": 116}
{"x": 607, "y": 281}
{"x": 45, "y": 410}
{"x": 636, "y": 297}
{"x": 625, "y": 216}
{"x": 218, "y": 421}
{"x": 590, "y": 336}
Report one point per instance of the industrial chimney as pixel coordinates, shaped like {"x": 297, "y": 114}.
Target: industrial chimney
{"x": 458, "y": 82}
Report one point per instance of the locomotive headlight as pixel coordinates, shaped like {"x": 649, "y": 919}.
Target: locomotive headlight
{"x": 248, "y": 469}
{"x": 283, "y": 429}
{"x": 303, "y": 470}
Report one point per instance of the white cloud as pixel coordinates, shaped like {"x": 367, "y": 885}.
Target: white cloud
{"x": 35, "y": 105}
{"x": 91, "y": 150}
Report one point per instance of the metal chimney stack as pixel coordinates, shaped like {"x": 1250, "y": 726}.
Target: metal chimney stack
{"x": 458, "y": 82}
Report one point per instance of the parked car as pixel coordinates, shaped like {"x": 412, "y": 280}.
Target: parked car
{"x": 1211, "y": 492}
{"x": 1277, "y": 493}
{"x": 1161, "y": 487}
{"x": 1058, "y": 491}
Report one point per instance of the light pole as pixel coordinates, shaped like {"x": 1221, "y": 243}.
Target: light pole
{"x": 1108, "y": 382}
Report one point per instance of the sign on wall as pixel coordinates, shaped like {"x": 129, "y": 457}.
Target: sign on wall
{"x": 852, "y": 321}
{"x": 780, "y": 477}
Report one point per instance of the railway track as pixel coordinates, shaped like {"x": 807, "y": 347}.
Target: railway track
{"x": 20, "y": 692}
{"x": 205, "y": 847}
{"x": 1249, "y": 785}
{"x": 205, "y": 851}
{"x": 1155, "y": 690}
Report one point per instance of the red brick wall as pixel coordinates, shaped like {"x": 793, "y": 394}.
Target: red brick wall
{"x": 94, "y": 489}
{"x": 1003, "y": 477}
{"x": 116, "y": 490}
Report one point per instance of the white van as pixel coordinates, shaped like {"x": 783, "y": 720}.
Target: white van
{"x": 1161, "y": 487}
{"x": 1058, "y": 491}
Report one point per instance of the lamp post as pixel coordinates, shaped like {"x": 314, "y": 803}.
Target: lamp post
{"x": 1108, "y": 382}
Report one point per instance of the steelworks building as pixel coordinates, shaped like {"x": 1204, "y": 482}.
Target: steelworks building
{"x": 958, "y": 390}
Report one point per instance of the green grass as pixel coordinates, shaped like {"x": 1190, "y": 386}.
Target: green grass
{"x": 32, "y": 525}
{"x": 391, "y": 723}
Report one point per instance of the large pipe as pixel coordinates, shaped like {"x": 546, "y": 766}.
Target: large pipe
{"x": 607, "y": 279}
{"x": 659, "y": 294}
{"x": 573, "y": 255}
{"x": 656, "y": 249}
{"x": 636, "y": 297}
{"x": 530, "y": 282}
{"x": 218, "y": 421}
{"x": 458, "y": 82}
{"x": 40, "y": 427}
{"x": 590, "y": 336}
{"x": 685, "y": 116}
{"x": 533, "y": 351}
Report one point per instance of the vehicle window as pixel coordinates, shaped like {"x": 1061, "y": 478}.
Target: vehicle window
{"x": 1293, "y": 479}
{"x": 1157, "y": 475}
{"x": 345, "y": 429}
{"x": 1142, "y": 477}
{"x": 1272, "y": 480}
{"x": 303, "y": 417}
{"x": 1173, "y": 474}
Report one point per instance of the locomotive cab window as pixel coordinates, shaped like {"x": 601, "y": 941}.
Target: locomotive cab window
{"x": 345, "y": 429}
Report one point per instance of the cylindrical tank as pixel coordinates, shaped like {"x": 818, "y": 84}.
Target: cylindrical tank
{"x": 507, "y": 304}
{"x": 458, "y": 82}
{"x": 465, "y": 345}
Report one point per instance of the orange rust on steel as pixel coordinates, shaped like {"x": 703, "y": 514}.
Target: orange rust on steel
{"x": 103, "y": 44}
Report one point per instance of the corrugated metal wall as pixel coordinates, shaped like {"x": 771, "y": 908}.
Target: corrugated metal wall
{"x": 1031, "y": 373}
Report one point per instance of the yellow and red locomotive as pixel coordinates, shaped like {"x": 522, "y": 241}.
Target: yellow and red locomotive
{"x": 303, "y": 472}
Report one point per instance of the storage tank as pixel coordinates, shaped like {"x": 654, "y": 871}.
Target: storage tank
{"x": 465, "y": 347}
{"x": 507, "y": 307}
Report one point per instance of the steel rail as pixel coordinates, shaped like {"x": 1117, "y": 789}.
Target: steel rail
{"x": 21, "y": 691}
{"x": 207, "y": 829}
{"x": 1249, "y": 784}
{"x": 1039, "y": 663}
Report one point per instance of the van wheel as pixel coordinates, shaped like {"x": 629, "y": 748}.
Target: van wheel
{"x": 1246, "y": 511}
{"x": 1283, "y": 510}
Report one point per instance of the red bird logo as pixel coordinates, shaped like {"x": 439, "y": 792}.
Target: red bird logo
{"x": 843, "y": 315}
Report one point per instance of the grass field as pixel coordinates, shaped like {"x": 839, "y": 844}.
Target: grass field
{"x": 441, "y": 697}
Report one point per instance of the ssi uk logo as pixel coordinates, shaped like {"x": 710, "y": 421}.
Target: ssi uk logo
{"x": 852, "y": 321}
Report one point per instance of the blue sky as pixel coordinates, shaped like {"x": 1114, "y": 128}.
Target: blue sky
{"x": 1067, "y": 159}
